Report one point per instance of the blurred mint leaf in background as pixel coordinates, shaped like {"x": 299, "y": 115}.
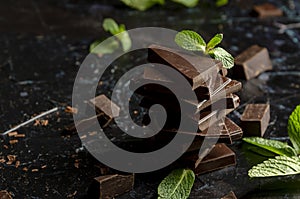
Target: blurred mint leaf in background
{"x": 187, "y": 3}
{"x": 142, "y": 5}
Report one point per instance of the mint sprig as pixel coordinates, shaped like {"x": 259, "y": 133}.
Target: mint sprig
{"x": 288, "y": 163}
{"x": 192, "y": 41}
{"x": 121, "y": 36}
{"x": 177, "y": 185}
{"x": 294, "y": 128}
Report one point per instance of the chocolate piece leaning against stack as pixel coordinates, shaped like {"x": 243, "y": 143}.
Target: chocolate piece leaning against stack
{"x": 207, "y": 79}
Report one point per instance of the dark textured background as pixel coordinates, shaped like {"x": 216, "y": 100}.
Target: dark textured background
{"x": 42, "y": 44}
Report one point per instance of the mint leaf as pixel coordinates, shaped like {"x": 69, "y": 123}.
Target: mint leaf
{"x": 110, "y": 25}
{"x": 190, "y": 40}
{"x": 125, "y": 40}
{"x": 260, "y": 151}
{"x": 223, "y": 56}
{"x": 279, "y": 166}
{"x": 107, "y": 47}
{"x": 214, "y": 41}
{"x": 187, "y": 3}
{"x": 294, "y": 128}
{"x": 142, "y": 5}
{"x": 220, "y": 3}
{"x": 274, "y": 146}
{"x": 177, "y": 185}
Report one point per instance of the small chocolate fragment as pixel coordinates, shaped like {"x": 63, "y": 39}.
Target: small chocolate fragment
{"x": 196, "y": 69}
{"x": 219, "y": 157}
{"x": 106, "y": 112}
{"x": 266, "y": 10}
{"x": 5, "y": 195}
{"x": 230, "y": 195}
{"x": 255, "y": 119}
{"x": 252, "y": 62}
{"x": 228, "y": 130}
{"x": 106, "y": 106}
{"x": 110, "y": 186}
{"x": 235, "y": 132}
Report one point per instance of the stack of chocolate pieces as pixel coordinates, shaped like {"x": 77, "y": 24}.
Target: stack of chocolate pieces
{"x": 207, "y": 79}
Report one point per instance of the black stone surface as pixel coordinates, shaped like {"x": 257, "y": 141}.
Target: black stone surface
{"x": 42, "y": 45}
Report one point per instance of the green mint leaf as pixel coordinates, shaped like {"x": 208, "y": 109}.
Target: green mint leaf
{"x": 119, "y": 31}
{"x": 190, "y": 40}
{"x": 260, "y": 151}
{"x": 220, "y": 3}
{"x": 142, "y": 5}
{"x": 223, "y": 56}
{"x": 187, "y": 3}
{"x": 214, "y": 41}
{"x": 294, "y": 128}
{"x": 274, "y": 146}
{"x": 278, "y": 166}
{"x": 177, "y": 185}
{"x": 125, "y": 40}
{"x": 110, "y": 25}
{"x": 107, "y": 47}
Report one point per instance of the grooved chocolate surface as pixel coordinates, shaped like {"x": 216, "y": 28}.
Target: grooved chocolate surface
{"x": 197, "y": 69}
{"x": 219, "y": 157}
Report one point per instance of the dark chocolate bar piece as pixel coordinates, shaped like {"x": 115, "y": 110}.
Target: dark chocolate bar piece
{"x": 230, "y": 195}
{"x": 5, "y": 195}
{"x": 255, "y": 119}
{"x": 225, "y": 131}
{"x": 105, "y": 106}
{"x": 212, "y": 85}
{"x": 207, "y": 118}
{"x": 228, "y": 130}
{"x": 196, "y": 69}
{"x": 202, "y": 92}
{"x": 229, "y": 102}
{"x": 106, "y": 112}
{"x": 110, "y": 186}
{"x": 266, "y": 10}
{"x": 219, "y": 157}
{"x": 235, "y": 132}
{"x": 252, "y": 62}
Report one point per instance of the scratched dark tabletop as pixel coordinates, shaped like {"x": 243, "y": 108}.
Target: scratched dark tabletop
{"x": 42, "y": 44}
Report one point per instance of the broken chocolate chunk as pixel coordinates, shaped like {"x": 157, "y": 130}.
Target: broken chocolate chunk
{"x": 105, "y": 106}
{"x": 196, "y": 69}
{"x": 5, "y": 195}
{"x": 252, "y": 62}
{"x": 255, "y": 119}
{"x": 219, "y": 157}
{"x": 110, "y": 186}
{"x": 228, "y": 130}
{"x": 266, "y": 10}
{"x": 230, "y": 195}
